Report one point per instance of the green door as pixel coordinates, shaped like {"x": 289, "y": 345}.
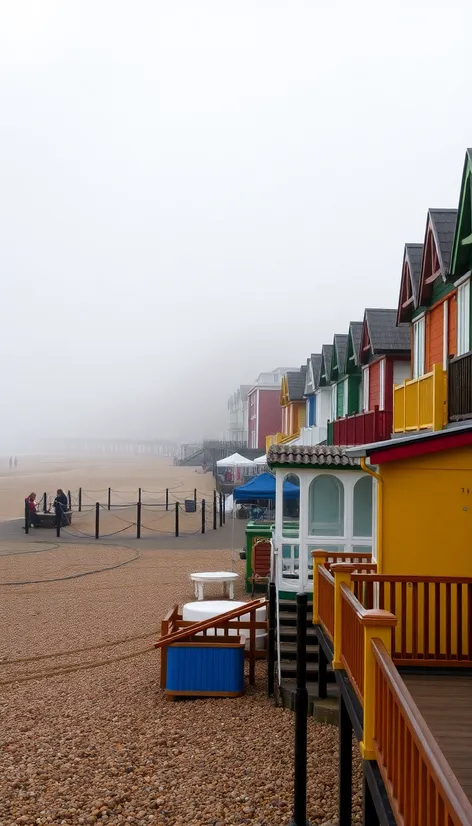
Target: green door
{"x": 340, "y": 400}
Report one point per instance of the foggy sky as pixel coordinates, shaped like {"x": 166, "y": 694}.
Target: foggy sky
{"x": 195, "y": 191}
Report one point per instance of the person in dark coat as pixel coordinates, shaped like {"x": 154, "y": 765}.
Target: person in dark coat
{"x": 63, "y": 502}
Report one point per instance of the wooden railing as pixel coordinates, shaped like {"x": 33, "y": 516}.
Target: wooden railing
{"x": 421, "y": 404}
{"x": 361, "y": 428}
{"x": 459, "y": 388}
{"x": 175, "y": 629}
{"x": 434, "y": 616}
{"x": 325, "y": 601}
{"x": 352, "y": 634}
{"x": 419, "y": 781}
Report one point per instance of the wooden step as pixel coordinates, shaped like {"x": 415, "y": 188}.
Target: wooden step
{"x": 291, "y": 605}
{"x": 326, "y": 711}
{"x": 288, "y": 651}
{"x": 288, "y": 633}
{"x": 290, "y": 618}
{"x": 288, "y": 669}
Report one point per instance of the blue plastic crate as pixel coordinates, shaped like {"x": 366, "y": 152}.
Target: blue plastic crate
{"x": 205, "y": 669}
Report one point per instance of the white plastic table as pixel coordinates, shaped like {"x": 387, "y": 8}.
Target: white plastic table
{"x": 199, "y": 611}
{"x": 226, "y": 577}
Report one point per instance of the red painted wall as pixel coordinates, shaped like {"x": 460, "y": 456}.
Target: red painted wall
{"x": 270, "y": 415}
{"x": 374, "y": 384}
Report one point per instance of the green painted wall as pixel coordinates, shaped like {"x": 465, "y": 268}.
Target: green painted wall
{"x": 353, "y": 394}
{"x": 339, "y": 399}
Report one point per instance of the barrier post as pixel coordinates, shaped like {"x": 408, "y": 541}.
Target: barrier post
{"x": 195, "y": 496}
{"x": 45, "y": 502}
{"x": 69, "y": 499}
{"x": 79, "y": 500}
{"x": 26, "y": 516}
{"x": 223, "y": 499}
{"x": 138, "y": 519}
{"x": 140, "y": 496}
{"x": 271, "y": 639}
{"x": 203, "y": 516}
{"x": 214, "y": 510}
{"x": 58, "y": 512}
{"x": 301, "y": 714}
{"x": 109, "y": 499}
{"x": 221, "y": 512}
{"x": 167, "y": 499}
{"x": 97, "y": 520}
{"x": 176, "y": 518}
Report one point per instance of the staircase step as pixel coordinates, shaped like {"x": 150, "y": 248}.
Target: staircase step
{"x": 290, "y": 618}
{"x": 288, "y": 633}
{"x": 288, "y": 669}
{"x": 326, "y": 711}
{"x": 288, "y": 651}
{"x": 291, "y": 605}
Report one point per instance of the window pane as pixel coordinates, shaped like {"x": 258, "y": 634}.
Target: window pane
{"x": 291, "y": 505}
{"x": 326, "y": 506}
{"x": 363, "y": 507}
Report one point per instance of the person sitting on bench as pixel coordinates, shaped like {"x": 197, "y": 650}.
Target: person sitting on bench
{"x": 63, "y": 502}
{"x": 32, "y": 509}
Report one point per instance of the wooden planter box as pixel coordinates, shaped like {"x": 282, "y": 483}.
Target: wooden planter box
{"x": 205, "y": 667}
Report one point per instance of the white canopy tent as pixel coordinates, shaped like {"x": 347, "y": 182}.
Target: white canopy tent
{"x": 261, "y": 460}
{"x": 235, "y": 460}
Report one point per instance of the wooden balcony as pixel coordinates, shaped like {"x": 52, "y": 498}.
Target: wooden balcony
{"x": 421, "y": 404}
{"x": 361, "y": 428}
{"x": 459, "y": 388}
{"x": 416, "y": 724}
{"x": 280, "y": 439}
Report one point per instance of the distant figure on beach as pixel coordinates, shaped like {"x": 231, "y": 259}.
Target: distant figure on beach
{"x": 10, "y": 462}
{"x": 63, "y": 502}
{"x": 16, "y": 461}
{"x": 31, "y": 507}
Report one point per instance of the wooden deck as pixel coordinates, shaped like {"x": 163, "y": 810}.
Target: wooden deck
{"x": 446, "y": 704}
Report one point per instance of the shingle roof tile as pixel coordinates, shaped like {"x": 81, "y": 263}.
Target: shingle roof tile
{"x": 318, "y": 455}
{"x": 443, "y": 223}
{"x": 296, "y": 383}
{"x": 414, "y": 255}
{"x": 384, "y": 334}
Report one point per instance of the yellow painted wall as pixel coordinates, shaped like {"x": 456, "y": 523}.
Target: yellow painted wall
{"x": 427, "y": 515}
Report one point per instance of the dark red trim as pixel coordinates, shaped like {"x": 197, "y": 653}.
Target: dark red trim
{"x": 420, "y": 448}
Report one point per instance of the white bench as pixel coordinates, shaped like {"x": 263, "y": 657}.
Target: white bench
{"x": 226, "y": 577}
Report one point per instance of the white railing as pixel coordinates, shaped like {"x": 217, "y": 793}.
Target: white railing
{"x": 274, "y": 578}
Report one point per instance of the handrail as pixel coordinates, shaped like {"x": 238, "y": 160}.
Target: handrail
{"x": 459, "y": 580}
{"x": 455, "y": 801}
{"x": 327, "y": 619}
{"x": 213, "y": 622}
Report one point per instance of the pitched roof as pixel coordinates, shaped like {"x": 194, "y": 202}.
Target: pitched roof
{"x": 355, "y": 335}
{"x": 327, "y": 357}
{"x": 414, "y": 256}
{"x": 461, "y": 256}
{"x": 315, "y": 362}
{"x": 339, "y": 352}
{"x": 443, "y": 224}
{"x": 384, "y": 334}
{"x": 319, "y": 455}
{"x": 296, "y": 383}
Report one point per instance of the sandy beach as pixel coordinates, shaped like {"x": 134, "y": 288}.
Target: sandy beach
{"x": 95, "y": 475}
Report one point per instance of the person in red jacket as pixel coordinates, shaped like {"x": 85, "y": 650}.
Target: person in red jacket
{"x": 30, "y": 503}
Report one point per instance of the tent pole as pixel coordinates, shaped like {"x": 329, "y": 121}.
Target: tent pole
{"x": 232, "y": 536}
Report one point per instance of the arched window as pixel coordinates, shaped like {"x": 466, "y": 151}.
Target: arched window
{"x": 326, "y": 506}
{"x": 363, "y": 507}
{"x": 291, "y": 505}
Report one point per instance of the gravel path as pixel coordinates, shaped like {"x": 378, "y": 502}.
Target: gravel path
{"x": 88, "y": 737}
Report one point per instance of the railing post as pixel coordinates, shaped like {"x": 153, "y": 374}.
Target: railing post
{"x": 45, "y": 502}
{"x": 79, "y": 500}
{"x": 319, "y": 558}
{"x": 138, "y": 519}
{"x": 439, "y": 399}
{"x": 176, "y": 518}
{"x": 58, "y": 512}
{"x": 340, "y": 575}
{"x": 167, "y": 499}
{"x": 301, "y": 713}
{"x": 223, "y": 502}
{"x": 271, "y": 639}
{"x": 97, "y": 520}
{"x": 203, "y": 516}
{"x": 214, "y": 510}
{"x": 27, "y": 521}
{"x": 69, "y": 499}
{"x": 195, "y": 496}
{"x": 109, "y": 499}
{"x": 221, "y": 509}
{"x": 377, "y": 623}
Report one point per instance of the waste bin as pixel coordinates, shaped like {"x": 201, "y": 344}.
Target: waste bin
{"x": 190, "y": 506}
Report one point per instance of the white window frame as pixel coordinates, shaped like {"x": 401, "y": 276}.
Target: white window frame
{"x": 463, "y": 318}
{"x": 345, "y": 396}
{"x": 365, "y": 388}
{"x": 334, "y": 402}
{"x": 382, "y": 385}
{"x": 445, "y": 333}
{"x": 418, "y": 347}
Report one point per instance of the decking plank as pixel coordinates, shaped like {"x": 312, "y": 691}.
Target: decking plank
{"x": 445, "y": 701}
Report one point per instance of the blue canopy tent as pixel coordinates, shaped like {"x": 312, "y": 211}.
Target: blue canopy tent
{"x": 263, "y": 487}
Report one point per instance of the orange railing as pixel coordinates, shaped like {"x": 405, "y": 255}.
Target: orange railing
{"x": 326, "y": 601}
{"x": 352, "y": 635}
{"x": 419, "y": 781}
{"x": 434, "y": 616}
